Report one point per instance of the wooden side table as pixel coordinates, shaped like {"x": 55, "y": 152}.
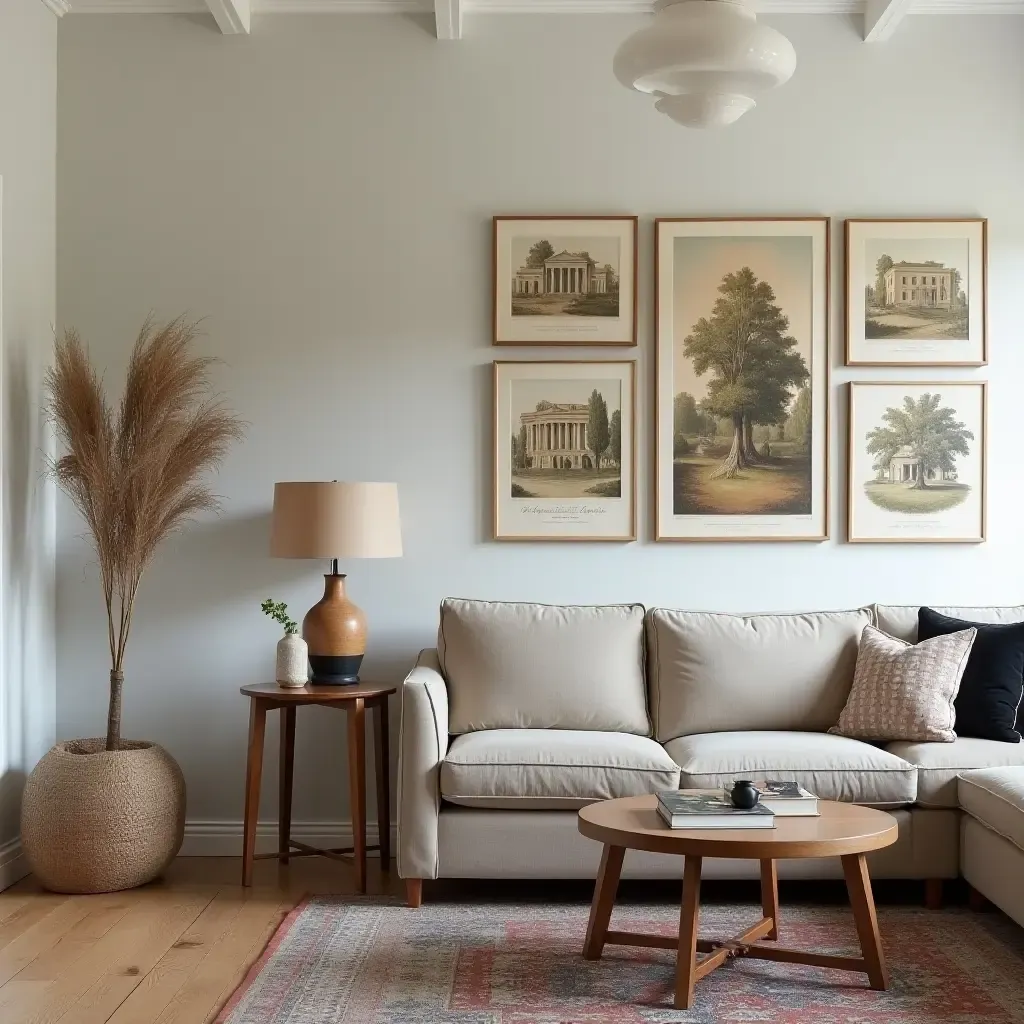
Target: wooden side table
{"x": 265, "y": 697}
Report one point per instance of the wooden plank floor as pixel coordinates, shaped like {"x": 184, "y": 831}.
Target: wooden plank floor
{"x": 168, "y": 953}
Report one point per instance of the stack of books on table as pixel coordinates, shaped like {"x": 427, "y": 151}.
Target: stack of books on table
{"x": 709, "y": 809}
{"x": 787, "y": 799}
{"x": 712, "y": 808}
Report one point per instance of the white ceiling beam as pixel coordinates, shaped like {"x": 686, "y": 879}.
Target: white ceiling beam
{"x": 881, "y": 18}
{"x": 232, "y": 16}
{"x": 448, "y": 16}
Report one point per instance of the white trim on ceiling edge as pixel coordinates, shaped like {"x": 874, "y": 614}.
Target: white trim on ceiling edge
{"x": 502, "y": 6}
{"x": 13, "y": 863}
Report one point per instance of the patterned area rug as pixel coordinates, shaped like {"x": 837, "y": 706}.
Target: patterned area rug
{"x": 370, "y": 962}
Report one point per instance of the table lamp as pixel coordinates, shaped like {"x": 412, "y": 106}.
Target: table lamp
{"x": 335, "y": 519}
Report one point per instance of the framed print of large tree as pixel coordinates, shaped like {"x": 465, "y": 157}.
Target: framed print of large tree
{"x": 917, "y": 462}
{"x": 742, "y": 379}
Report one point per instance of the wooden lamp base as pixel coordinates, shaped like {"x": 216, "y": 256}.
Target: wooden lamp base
{"x": 335, "y": 630}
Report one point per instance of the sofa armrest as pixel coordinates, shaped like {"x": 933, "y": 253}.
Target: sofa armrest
{"x": 422, "y": 745}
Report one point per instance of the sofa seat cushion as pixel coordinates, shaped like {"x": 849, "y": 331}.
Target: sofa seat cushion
{"x": 711, "y": 672}
{"x": 552, "y": 769}
{"x": 831, "y": 767}
{"x": 539, "y": 666}
{"x": 939, "y": 764}
{"x": 995, "y": 797}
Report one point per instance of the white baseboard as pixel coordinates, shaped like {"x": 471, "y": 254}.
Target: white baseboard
{"x": 224, "y": 838}
{"x": 13, "y": 863}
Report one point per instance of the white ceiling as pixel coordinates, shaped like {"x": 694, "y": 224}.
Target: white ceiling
{"x": 503, "y": 6}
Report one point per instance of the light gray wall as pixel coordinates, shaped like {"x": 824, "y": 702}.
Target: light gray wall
{"x": 322, "y": 192}
{"x": 28, "y": 105}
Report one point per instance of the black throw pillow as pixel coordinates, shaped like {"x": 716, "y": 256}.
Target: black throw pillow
{"x": 990, "y": 690}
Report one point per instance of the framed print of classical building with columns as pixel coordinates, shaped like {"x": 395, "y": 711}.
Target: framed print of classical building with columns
{"x": 565, "y": 450}
{"x": 742, "y": 379}
{"x": 565, "y": 280}
{"x": 916, "y": 292}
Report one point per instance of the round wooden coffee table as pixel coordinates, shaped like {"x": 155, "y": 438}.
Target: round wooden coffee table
{"x": 842, "y": 830}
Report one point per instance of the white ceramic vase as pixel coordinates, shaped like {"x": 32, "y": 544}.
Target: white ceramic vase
{"x": 292, "y": 660}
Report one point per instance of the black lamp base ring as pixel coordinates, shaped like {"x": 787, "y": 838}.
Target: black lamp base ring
{"x": 335, "y": 670}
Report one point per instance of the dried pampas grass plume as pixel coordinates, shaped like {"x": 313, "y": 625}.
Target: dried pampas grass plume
{"x": 136, "y": 475}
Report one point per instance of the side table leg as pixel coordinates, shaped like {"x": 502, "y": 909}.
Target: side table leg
{"x": 357, "y": 786}
{"x": 770, "y": 895}
{"x": 285, "y": 776}
{"x": 689, "y": 916}
{"x": 604, "y": 899}
{"x": 858, "y": 884}
{"x": 253, "y": 772}
{"x": 381, "y": 738}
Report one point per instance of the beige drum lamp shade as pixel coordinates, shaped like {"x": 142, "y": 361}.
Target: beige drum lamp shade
{"x": 335, "y": 519}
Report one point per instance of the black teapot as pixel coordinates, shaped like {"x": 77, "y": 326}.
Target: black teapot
{"x": 744, "y": 795}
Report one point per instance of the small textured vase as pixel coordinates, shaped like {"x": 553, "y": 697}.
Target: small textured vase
{"x": 744, "y": 795}
{"x": 335, "y": 630}
{"x": 292, "y": 660}
{"x": 98, "y": 820}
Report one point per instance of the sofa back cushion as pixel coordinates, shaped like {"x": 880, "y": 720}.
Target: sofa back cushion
{"x": 728, "y": 673}
{"x": 900, "y": 620}
{"x": 536, "y": 666}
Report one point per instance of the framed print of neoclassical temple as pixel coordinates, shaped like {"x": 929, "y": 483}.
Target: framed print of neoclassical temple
{"x": 565, "y": 280}
{"x": 917, "y": 462}
{"x": 742, "y": 382}
{"x": 565, "y": 450}
{"x": 916, "y": 292}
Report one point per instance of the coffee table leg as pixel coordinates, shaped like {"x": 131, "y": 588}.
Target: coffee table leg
{"x": 604, "y": 899}
{"x": 689, "y": 915}
{"x": 858, "y": 884}
{"x": 770, "y": 895}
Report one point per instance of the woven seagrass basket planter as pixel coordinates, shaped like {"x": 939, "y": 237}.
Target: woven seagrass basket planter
{"x": 94, "y": 820}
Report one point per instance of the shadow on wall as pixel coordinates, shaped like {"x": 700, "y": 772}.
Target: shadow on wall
{"x": 183, "y": 675}
{"x": 27, "y": 713}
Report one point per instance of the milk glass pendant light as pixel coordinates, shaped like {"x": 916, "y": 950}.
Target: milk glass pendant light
{"x": 706, "y": 61}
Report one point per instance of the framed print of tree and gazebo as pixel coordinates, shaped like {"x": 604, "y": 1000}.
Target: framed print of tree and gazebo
{"x": 917, "y": 462}
{"x": 742, "y": 381}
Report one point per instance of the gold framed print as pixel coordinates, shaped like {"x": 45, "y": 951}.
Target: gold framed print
{"x": 742, "y": 379}
{"x": 565, "y": 280}
{"x": 916, "y": 292}
{"x": 917, "y": 462}
{"x": 565, "y": 450}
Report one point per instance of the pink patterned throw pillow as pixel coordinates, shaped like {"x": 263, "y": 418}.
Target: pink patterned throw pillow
{"x": 905, "y": 691}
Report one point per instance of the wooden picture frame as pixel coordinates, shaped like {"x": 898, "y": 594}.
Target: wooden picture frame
{"x": 549, "y": 481}
{"x": 893, "y": 503}
{"x": 916, "y": 291}
{"x": 564, "y": 280}
{"x": 701, "y": 493}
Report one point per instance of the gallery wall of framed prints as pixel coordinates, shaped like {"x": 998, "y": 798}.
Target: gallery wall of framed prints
{"x": 742, "y": 382}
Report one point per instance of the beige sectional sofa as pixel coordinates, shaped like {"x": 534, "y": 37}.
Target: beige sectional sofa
{"x": 526, "y": 712}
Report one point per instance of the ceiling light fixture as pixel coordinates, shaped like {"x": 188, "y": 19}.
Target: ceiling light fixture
{"x": 706, "y": 61}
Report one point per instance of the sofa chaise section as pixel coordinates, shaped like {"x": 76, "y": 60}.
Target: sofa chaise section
{"x": 992, "y": 836}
